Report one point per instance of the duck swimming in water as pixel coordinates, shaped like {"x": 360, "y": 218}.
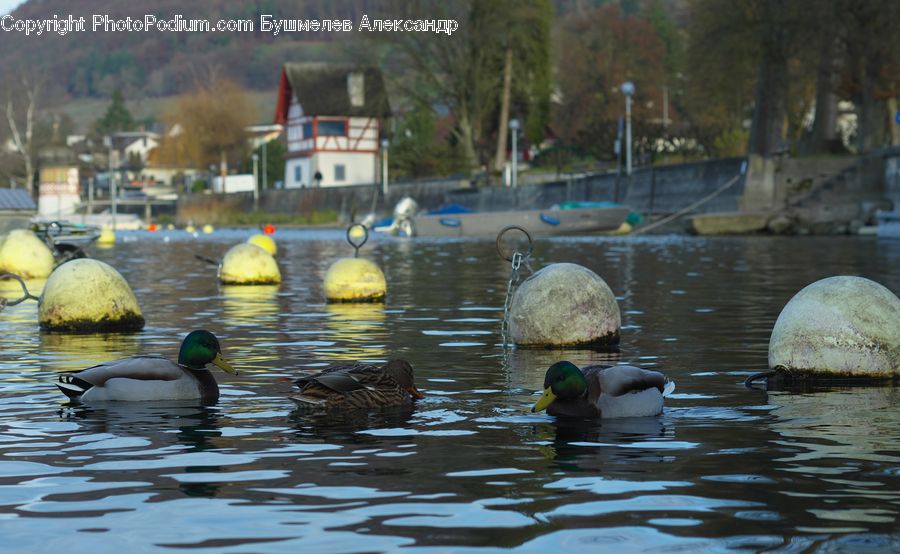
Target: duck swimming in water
{"x": 603, "y": 391}
{"x": 358, "y": 386}
{"x": 144, "y": 378}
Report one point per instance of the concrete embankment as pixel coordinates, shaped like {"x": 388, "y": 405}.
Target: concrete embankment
{"x": 724, "y": 196}
{"x": 661, "y": 189}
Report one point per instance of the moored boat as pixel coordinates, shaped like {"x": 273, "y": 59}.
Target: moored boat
{"x": 457, "y": 221}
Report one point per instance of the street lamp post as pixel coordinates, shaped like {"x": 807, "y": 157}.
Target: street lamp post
{"x": 384, "y": 166}
{"x": 514, "y": 127}
{"x": 255, "y": 182}
{"x": 628, "y": 91}
{"x": 265, "y": 171}
{"x": 113, "y": 193}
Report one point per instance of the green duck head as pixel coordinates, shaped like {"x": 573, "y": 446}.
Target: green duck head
{"x": 563, "y": 381}
{"x": 200, "y": 348}
{"x": 402, "y": 373}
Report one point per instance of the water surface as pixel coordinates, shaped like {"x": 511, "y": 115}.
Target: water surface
{"x": 469, "y": 468}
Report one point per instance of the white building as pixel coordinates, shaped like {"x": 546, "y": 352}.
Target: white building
{"x": 334, "y": 116}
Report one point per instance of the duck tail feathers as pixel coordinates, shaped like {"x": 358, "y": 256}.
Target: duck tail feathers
{"x": 72, "y": 386}
{"x": 669, "y": 388}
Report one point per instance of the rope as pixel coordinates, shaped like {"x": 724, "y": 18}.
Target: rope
{"x": 689, "y": 208}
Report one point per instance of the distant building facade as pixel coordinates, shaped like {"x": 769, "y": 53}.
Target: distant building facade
{"x": 333, "y": 117}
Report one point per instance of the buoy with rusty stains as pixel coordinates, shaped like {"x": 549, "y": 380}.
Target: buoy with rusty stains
{"x": 87, "y": 295}
{"x": 248, "y": 264}
{"x": 842, "y": 327}
{"x": 564, "y": 305}
{"x": 354, "y": 280}
{"x": 265, "y": 242}
{"x": 24, "y": 254}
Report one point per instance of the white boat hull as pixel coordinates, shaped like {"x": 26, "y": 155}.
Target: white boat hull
{"x": 536, "y": 222}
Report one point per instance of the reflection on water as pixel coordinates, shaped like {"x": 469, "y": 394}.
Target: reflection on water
{"x": 469, "y": 467}
{"x": 250, "y": 305}
{"x": 839, "y": 424}
{"x": 64, "y": 352}
{"x": 357, "y": 330}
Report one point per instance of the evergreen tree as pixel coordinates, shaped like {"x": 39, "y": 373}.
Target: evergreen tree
{"x": 117, "y": 117}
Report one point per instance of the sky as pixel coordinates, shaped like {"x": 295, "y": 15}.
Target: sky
{"x": 7, "y": 6}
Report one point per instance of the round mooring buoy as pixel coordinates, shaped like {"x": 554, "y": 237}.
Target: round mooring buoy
{"x": 208, "y": 229}
{"x": 86, "y": 295}
{"x": 107, "y": 237}
{"x": 354, "y": 280}
{"x": 839, "y": 327}
{"x": 248, "y": 264}
{"x": 24, "y": 254}
{"x": 564, "y": 305}
{"x": 265, "y": 242}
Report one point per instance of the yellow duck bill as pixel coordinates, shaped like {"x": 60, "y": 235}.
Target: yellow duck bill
{"x": 545, "y": 400}
{"x": 223, "y": 363}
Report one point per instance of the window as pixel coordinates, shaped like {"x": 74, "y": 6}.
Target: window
{"x": 340, "y": 172}
{"x": 332, "y": 128}
{"x": 298, "y": 173}
{"x": 307, "y": 130}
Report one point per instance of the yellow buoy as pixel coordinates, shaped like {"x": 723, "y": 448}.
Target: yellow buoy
{"x": 87, "y": 295}
{"x": 107, "y": 237}
{"x": 248, "y": 264}
{"x": 208, "y": 228}
{"x": 23, "y": 253}
{"x": 170, "y": 227}
{"x": 190, "y": 229}
{"x": 356, "y": 231}
{"x": 354, "y": 280}
{"x": 265, "y": 242}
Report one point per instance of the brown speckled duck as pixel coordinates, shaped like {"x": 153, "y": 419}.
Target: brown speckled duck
{"x": 358, "y": 386}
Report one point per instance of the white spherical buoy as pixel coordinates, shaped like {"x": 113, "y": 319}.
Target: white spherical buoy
{"x": 838, "y": 327}
{"x": 265, "y": 242}
{"x": 248, "y": 264}
{"x": 87, "y": 295}
{"x": 354, "y": 280}
{"x": 564, "y": 305}
{"x": 24, "y": 254}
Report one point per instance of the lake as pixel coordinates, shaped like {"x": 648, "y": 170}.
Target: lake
{"x": 469, "y": 468}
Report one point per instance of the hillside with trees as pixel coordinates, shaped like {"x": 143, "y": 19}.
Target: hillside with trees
{"x": 712, "y": 77}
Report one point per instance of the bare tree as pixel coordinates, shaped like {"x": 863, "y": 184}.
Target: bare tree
{"x": 22, "y": 132}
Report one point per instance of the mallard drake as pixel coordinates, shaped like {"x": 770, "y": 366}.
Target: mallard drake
{"x": 142, "y": 378}
{"x": 603, "y": 391}
{"x": 358, "y": 386}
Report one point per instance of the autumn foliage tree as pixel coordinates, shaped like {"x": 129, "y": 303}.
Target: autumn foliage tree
{"x": 596, "y": 53}
{"x": 208, "y": 127}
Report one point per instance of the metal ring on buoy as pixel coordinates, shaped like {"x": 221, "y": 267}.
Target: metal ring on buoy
{"x": 365, "y": 238}
{"x": 513, "y": 228}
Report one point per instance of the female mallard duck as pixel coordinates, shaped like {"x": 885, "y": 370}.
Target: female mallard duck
{"x": 358, "y": 386}
{"x": 153, "y": 377}
{"x": 603, "y": 391}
